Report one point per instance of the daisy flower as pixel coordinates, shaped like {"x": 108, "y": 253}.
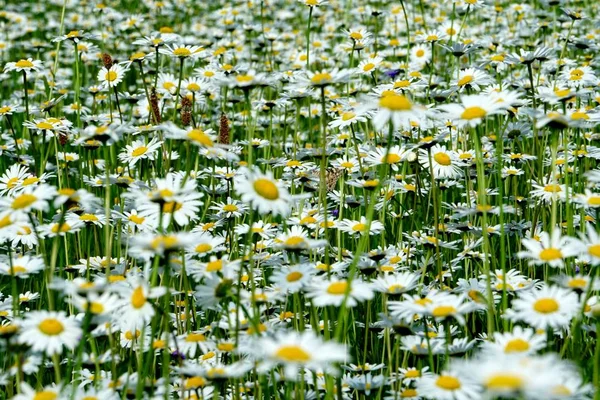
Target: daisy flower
{"x": 147, "y": 244}
{"x": 293, "y": 278}
{"x": 263, "y": 193}
{"x": 521, "y": 341}
{"x": 355, "y": 228}
{"x": 472, "y": 78}
{"x": 31, "y": 198}
{"x": 325, "y": 292}
{"x": 550, "y": 306}
{"x": 393, "y": 157}
{"x": 579, "y": 77}
{"x": 139, "y": 150}
{"x": 347, "y": 118}
{"x": 49, "y": 331}
{"x": 445, "y": 163}
{"x": 394, "y": 108}
{"x": 589, "y": 245}
{"x": 111, "y": 77}
{"x": 182, "y": 51}
{"x": 551, "y": 249}
{"x": 397, "y": 283}
{"x": 549, "y": 191}
{"x": 296, "y": 239}
{"x": 588, "y": 199}
{"x": 22, "y": 266}
{"x": 369, "y": 65}
{"x": 448, "y": 386}
{"x": 135, "y": 310}
{"x": 28, "y": 66}
{"x": 472, "y": 110}
{"x": 295, "y": 351}
{"x": 12, "y": 178}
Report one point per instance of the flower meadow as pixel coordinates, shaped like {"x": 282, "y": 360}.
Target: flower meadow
{"x": 299, "y": 199}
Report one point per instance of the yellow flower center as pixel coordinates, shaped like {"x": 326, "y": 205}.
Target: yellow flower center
{"x": 465, "y": 80}
{"x": 552, "y": 188}
{"x": 111, "y": 76}
{"x": 473, "y": 113}
{"x": 213, "y": 266}
{"x": 391, "y": 158}
{"x": 550, "y": 254}
{"x": 225, "y": 346}
{"x": 420, "y": 53}
{"x": 194, "y": 382}
{"x": 203, "y": 248}
{"x": 576, "y": 74}
{"x": 198, "y": 136}
{"x": 195, "y": 337}
{"x": 321, "y": 78}
{"x": 136, "y": 219}
{"x": 347, "y": 116}
{"x": 577, "y": 283}
{"x": 136, "y": 56}
{"x": 24, "y": 64}
{"x": 292, "y": 353}
{"x": 139, "y": 151}
{"x": 294, "y": 276}
{"x": 94, "y": 307}
{"x": 51, "y": 327}
{"x": 395, "y": 102}
{"x": 408, "y": 393}
{"x": 138, "y": 300}
{"x": 171, "y": 207}
{"x": 230, "y": 208}
{"x": 266, "y": 188}
{"x": 504, "y": 382}
{"x": 17, "y": 269}
{"x": 412, "y": 373}
{"x": 359, "y": 227}
{"x": 244, "y": 78}
{"x": 131, "y": 335}
{"x": 368, "y": 67}
{"x": 443, "y": 311}
{"x": 356, "y": 35}
{"x": 182, "y": 52}
{"x": 60, "y": 228}
{"x": 516, "y": 346}
{"x": 594, "y": 250}
{"x": 546, "y": 305}
{"x": 395, "y": 288}
{"x": 45, "y": 395}
{"x": 442, "y": 158}
{"x": 23, "y": 201}
{"x": 294, "y": 240}
{"x": 402, "y": 84}
{"x": 88, "y": 217}
{"x": 337, "y": 288}
{"x": 448, "y": 382}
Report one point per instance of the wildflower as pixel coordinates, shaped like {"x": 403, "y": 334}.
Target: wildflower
{"x": 551, "y": 249}
{"x": 293, "y": 351}
{"x": 548, "y": 307}
{"x": 139, "y": 150}
{"x": 324, "y": 292}
{"x": 49, "y": 331}
{"x": 472, "y": 110}
{"x": 27, "y": 66}
{"x": 111, "y": 77}
{"x": 263, "y": 193}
